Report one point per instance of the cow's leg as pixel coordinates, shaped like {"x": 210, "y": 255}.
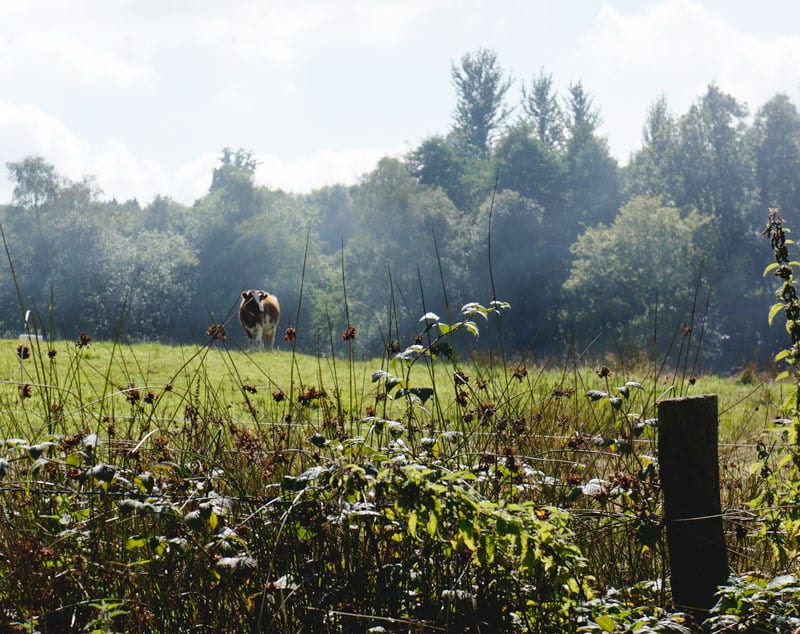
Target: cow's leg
{"x": 259, "y": 339}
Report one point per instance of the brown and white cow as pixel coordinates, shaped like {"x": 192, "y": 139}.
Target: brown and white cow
{"x": 258, "y": 313}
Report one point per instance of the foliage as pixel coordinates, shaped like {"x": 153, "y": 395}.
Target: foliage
{"x": 632, "y": 609}
{"x": 779, "y": 458}
{"x": 542, "y": 111}
{"x": 754, "y": 604}
{"x": 480, "y": 91}
{"x": 399, "y": 222}
{"x": 646, "y": 261}
{"x": 775, "y": 137}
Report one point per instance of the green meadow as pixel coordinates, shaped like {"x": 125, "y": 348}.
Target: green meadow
{"x": 148, "y": 487}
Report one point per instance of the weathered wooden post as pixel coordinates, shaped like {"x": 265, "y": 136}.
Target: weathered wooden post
{"x": 689, "y": 468}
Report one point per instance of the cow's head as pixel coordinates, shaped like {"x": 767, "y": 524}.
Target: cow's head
{"x": 256, "y": 297}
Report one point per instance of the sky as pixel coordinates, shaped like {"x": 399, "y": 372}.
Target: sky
{"x": 143, "y": 95}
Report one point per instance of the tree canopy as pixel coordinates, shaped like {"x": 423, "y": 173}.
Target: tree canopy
{"x": 524, "y": 203}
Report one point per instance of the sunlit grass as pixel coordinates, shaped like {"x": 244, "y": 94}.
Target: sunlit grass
{"x": 293, "y": 441}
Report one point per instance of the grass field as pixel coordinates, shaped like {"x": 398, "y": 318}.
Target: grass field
{"x": 156, "y": 488}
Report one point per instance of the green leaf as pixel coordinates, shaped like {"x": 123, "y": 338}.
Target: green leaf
{"x": 770, "y": 267}
{"x": 474, "y": 308}
{"x": 472, "y": 328}
{"x": 776, "y": 308}
{"x": 132, "y": 543}
{"x": 422, "y": 393}
{"x": 783, "y": 375}
{"x": 606, "y": 623}
{"x": 412, "y": 523}
{"x": 433, "y": 524}
{"x": 466, "y": 531}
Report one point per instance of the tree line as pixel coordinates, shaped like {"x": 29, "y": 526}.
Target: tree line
{"x": 516, "y": 202}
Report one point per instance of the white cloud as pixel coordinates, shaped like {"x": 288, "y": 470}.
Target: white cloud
{"x": 283, "y": 31}
{"x": 79, "y": 43}
{"x": 326, "y": 167}
{"x": 73, "y": 58}
{"x": 27, "y": 130}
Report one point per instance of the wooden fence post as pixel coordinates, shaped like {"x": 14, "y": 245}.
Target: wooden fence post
{"x": 689, "y": 473}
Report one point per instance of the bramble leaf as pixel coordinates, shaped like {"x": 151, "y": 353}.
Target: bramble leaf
{"x": 776, "y": 308}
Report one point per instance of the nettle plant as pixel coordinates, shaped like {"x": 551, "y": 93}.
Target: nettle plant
{"x": 778, "y": 465}
{"x": 431, "y": 344}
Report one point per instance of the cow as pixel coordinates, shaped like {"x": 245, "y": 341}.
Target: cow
{"x": 258, "y": 313}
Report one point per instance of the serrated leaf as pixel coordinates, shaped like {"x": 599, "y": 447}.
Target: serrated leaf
{"x": 783, "y": 375}
{"x": 194, "y": 520}
{"x": 34, "y": 451}
{"x": 596, "y": 395}
{"x": 606, "y": 623}
{"x": 781, "y": 582}
{"x": 615, "y": 401}
{"x": 429, "y": 317}
{"x": 393, "y": 382}
{"x": 410, "y": 353}
{"x": 474, "y": 308}
{"x": 103, "y": 472}
{"x": 236, "y": 564}
{"x": 444, "y": 328}
{"x": 379, "y": 374}
{"x": 422, "y": 393}
{"x": 781, "y": 355}
{"x": 774, "y": 310}
{"x": 472, "y": 327}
